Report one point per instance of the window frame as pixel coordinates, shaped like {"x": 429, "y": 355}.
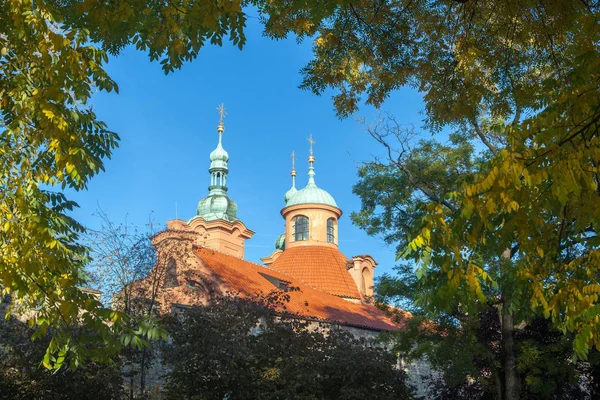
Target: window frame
{"x": 301, "y": 235}
{"x": 330, "y": 230}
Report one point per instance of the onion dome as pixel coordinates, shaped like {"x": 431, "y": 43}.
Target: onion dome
{"x": 219, "y": 157}
{"x": 280, "y": 242}
{"x": 311, "y": 194}
{"x": 288, "y": 195}
{"x": 217, "y": 205}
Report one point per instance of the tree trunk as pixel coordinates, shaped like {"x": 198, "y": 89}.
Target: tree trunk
{"x": 511, "y": 384}
{"x": 497, "y": 382}
{"x": 131, "y": 385}
{"x": 143, "y": 373}
{"x": 509, "y": 358}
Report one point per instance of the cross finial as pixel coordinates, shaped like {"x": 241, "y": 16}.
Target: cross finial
{"x": 311, "y": 142}
{"x": 293, "y": 159}
{"x": 222, "y": 113}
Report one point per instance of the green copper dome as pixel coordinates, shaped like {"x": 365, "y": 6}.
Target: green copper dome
{"x": 280, "y": 242}
{"x": 311, "y": 194}
{"x": 289, "y": 194}
{"x": 219, "y": 157}
{"x": 217, "y": 206}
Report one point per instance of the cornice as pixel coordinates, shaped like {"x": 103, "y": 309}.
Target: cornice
{"x": 311, "y": 206}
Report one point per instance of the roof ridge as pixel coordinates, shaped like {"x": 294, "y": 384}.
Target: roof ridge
{"x": 196, "y": 246}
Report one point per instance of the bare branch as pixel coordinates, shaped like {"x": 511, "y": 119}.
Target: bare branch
{"x": 396, "y": 156}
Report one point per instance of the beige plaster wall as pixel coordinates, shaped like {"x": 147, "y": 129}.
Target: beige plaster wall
{"x": 317, "y": 215}
{"x": 219, "y": 235}
{"x": 226, "y": 242}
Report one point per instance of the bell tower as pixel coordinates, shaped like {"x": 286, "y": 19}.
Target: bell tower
{"x": 216, "y": 223}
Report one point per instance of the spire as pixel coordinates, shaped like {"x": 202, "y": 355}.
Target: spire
{"x": 221, "y": 126}
{"x": 222, "y": 114}
{"x": 293, "y": 190}
{"x": 311, "y": 160}
{"x": 217, "y": 205}
{"x": 293, "y": 173}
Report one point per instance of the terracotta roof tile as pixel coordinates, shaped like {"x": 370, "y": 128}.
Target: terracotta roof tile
{"x": 249, "y": 279}
{"x": 320, "y": 267}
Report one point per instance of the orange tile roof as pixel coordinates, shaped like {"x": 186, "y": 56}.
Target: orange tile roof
{"x": 249, "y": 279}
{"x": 320, "y": 267}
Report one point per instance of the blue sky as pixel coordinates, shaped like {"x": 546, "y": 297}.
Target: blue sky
{"x": 167, "y": 126}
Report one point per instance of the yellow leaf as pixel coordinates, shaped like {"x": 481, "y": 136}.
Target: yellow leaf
{"x": 540, "y": 251}
{"x": 426, "y": 234}
{"x": 49, "y": 114}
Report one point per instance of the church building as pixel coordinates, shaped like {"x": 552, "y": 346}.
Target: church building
{"x": 204, "y": 256}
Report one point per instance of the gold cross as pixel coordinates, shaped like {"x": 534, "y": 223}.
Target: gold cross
{"x": 293, "y": 159}
{"x": 311, "y": 142}
{"x": 222, "y": 113}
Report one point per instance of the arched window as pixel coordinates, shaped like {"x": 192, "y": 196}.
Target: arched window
{"x": 330, "y": 235}
{"x": 301, "y": 228}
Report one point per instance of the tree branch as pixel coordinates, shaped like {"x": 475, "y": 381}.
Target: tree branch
{"x": 481, "y": 135}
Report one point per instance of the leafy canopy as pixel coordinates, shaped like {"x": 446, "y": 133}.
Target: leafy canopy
{"x": 463, "y": 346}
{"x": 237, "y": 348}
{"x": 21, "y": 378}
{"x": 520, "y": 74}
{"x": 457, "y": 326}
{"x": 521, "y": 78}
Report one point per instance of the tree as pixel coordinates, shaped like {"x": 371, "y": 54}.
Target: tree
{"x": 521, "y": 78}
{"x": 399, "y": 195}
{"x": 23, "y": 378}
{"x": 237, "y": 348}
{"x": 51, "y": 139}
{"x": 122, "y": 255}
{"x": 464, "y": 347}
